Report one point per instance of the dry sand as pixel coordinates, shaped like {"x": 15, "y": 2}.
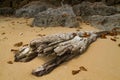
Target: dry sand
{"x": 102, "y": 59}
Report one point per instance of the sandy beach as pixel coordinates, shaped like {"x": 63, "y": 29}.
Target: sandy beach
{"x": 102, "y": 59}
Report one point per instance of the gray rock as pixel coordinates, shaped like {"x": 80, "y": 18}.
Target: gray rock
{"x": 105, "y": 22}
{"x": 98, "y": 14}
{"x": 6, "y": 11}
{"x": 98, "y": 8}
{"x": 118, "y": 7}
{"x": 31, "y": 9}
{"x": 111, "y": 2}
{"x": 62, "y": 16}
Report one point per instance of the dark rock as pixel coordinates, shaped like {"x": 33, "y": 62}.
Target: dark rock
{"x": 62, "y": 16}
{"x": 19, "y": 3}
{"x": 98, "y": 14}
{"x": 5, "y": 11}
{"x": 31, "y": 9}
{"x": 111, "y": 2}
{"x": 98, "y": 8}
{"x": 74, "y": 2}
{"x": 104, "y": 22}
{"x": 118, "y": 7}
{"x": 15, "y": 3}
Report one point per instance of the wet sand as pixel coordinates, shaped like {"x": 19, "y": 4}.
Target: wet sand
{"x": 102, "y": 59}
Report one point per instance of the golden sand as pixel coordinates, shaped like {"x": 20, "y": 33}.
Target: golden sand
{"x": 102, "y": 59}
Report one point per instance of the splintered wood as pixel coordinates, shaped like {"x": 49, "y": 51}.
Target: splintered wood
{"x": 86, "y": 35}
{"x": 25, "y": 45}
{"x": 103, "y": 36}
{"x": 63, "y": 46}
{"x": 14, "y": 51}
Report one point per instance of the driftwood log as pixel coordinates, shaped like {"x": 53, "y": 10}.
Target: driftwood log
{"x": 64, "y": 46}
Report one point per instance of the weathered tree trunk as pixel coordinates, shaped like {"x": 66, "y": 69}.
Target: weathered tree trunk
{"x": 64, "y": 46}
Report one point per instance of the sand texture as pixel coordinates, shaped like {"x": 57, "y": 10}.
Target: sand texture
{"x": 102, "y": 59}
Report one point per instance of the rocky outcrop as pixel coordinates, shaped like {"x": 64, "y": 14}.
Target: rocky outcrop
{"x": 104, "y": 22}
{"x": 98, "y": 8}
{"x": 117, "y": 7}
{"x": 74, "y": 2}
{"x": 98, "y": 15}
{"x": 31, "y": 9}
{"x": 62, "y": 16}
{"x": 111, "y": 2}
{"x": 6, "y": 11}
{"x": 20, "y": 3}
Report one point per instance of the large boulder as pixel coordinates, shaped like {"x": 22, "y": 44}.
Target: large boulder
{"x": 31, "y": 9}
{"x": 62, "y": 16}
{"x": 19, "y": 3}
{"x": 104, "y": 22}
{"x": 98, "y": 14}
{"x": 98, "y": 8}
